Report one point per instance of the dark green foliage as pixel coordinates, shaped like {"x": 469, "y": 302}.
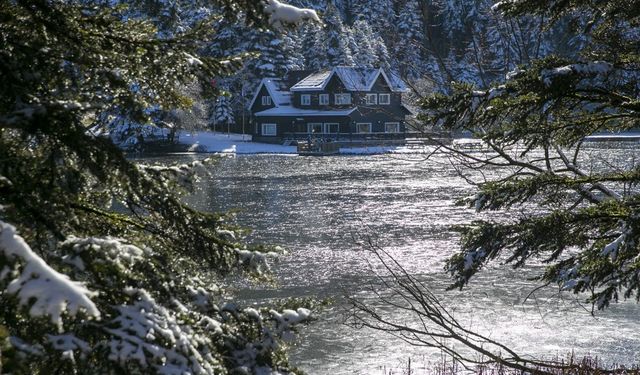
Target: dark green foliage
{"x": 92, "y": 215}
{"x": 585, "y": 226}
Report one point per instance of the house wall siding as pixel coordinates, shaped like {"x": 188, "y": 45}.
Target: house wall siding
{"x": 287, "y": 126}
{"x": 334, "y": 86}
{"x": 377, "y": 115}
{"x": 377, "y": 120}
{"x": 257, "y": 105}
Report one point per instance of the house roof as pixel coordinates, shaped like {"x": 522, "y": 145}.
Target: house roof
{"x": 292, "y": 111}
{"x": 354, "y": 79}
{"x": 277, "y": 90}
{"x": 411, "y": 110}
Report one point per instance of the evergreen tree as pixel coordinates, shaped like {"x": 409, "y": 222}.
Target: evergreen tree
{"x": 221, "y": 113}
{"x": 313, "y": 47}
{"x": 294, "y": 59}
{"x": 381, "y": 52}
{"x": 587, "y": 228}
{"x": 271, "y": 60}
{"x": 378, "y": 13}
{"x": 337, "y": 44}
{"x": 364, "y": 55}
{"x": 103, "y": 268}
{"x": 408, "y": 49}
{"x": 577, "y": 214}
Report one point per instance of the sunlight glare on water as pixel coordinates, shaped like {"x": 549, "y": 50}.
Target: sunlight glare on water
{"x": 317, "y": 208}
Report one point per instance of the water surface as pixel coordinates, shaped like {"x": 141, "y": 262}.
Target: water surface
{"x": 319, "y": 208}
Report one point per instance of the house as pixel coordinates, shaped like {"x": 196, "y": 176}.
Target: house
{"x": 343, "y": 104}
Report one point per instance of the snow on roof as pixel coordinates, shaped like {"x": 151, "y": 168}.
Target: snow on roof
{"x": 357, "y": 79}
{"x": 354, "y": 79}
{"x": 412, "y": 110}
{"x": 276, "y": 90}
{"x": 314, "y": 81}
{"x": 292, "y": 111}
{"x": 396, "y": 82}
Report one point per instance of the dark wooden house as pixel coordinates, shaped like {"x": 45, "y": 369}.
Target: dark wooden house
{"x": 343, "y": 104}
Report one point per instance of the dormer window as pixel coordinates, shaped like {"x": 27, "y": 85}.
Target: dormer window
{"x": 342, "y": 99}
{"x": 371, "y": 99}
{"x": 305, "y": 99}
{"x": 266, "y": 100}
{"x": 324, "y": 99}
{"x": 384, "y": 99}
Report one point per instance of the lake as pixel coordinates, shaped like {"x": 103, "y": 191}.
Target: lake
{"x": 318, "y": 208}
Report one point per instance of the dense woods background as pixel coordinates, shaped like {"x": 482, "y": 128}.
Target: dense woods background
{"x": 430, "y": 43}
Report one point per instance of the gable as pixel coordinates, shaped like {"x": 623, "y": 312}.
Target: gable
{"x": 256, "y": 103}
{"x": 335, "y": 84}
{"x": 380, "y": 85}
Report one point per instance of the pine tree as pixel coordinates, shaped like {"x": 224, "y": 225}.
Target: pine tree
{"x": 567, "y": 216}
{"x": 221, "y": 113}
{"x": 271, "y": 60}
{"x": 313, "y": 47}
{"x": 378, "y": 13}
{"x": 586, "y": 228}
{"x": 103, "y": 267}
{"x": 337, "y": 45}
{"x": 408, "y": 49}
{"x": 381, "y": 52}
{"x": 364, "y": 55}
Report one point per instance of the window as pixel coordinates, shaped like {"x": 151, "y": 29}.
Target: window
{"x": 371, "y": 99}
{"x": 324, "y": 99}
{"x": 385, "y": 99}
{"x": 269, "y": 129}
{"x": 266, "y": 100}
{"x": 363, "y": 127}
{"x": 343, "y": 99}
{"x": 392, "y": 127}
{"x": 305, "y": 99}
{"x": 331, "y": 127}
{"x": 314, "y": 127}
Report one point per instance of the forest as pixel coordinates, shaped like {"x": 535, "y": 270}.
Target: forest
{"x": 106, "y": 267}
{"x": 428, "y": 43}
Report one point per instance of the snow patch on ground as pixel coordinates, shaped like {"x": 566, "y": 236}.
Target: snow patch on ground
{"x": 204, "y": 141}
{"x": 207, "y": 141}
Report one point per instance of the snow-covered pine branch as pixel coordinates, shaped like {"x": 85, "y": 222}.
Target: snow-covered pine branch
{"x": 46, "y": 291}
{"x": 584, "y": 69}
{"x": 281, "y": 14}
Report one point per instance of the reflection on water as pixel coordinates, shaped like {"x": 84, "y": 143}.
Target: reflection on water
{"x": 316, "y": 207}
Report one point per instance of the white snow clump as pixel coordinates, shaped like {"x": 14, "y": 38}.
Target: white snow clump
{"x": 114, "y": 249}
{"x": 592, "y": 68}
{"x": 153, "y": 336}
{"x": 51, "y": 292}
{"x": 281, "y": 14}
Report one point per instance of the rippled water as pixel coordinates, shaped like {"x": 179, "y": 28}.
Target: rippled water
{"x": 316, "y": 207}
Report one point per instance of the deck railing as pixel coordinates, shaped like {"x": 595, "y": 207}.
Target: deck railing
{"x": 345, "y": 137}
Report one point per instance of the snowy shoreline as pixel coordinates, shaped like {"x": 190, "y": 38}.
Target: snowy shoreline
{"x": 239, "y": 144}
